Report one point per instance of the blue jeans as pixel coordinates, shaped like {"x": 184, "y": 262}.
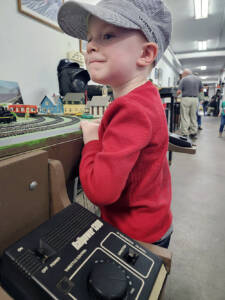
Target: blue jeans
{"x": 205, "y": 104}
{"x": 164, "y": 243}
{"x": 222, "y": 123}
{"x": 199, "y": 120}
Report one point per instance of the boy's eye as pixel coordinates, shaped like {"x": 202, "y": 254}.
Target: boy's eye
{"x": 107, "y": 36}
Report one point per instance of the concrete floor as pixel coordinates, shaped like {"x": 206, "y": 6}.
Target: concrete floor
{"x": 198, "y": 241}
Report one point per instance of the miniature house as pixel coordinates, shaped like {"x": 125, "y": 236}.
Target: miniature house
{"x": 87, "y": 107}
{"x": 74, "y": 103}
{"x": 98, "y": 105}
{"x": 51, "y": 105}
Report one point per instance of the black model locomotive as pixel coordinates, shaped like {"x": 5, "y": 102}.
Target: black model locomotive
{"x": 6, "y": 116}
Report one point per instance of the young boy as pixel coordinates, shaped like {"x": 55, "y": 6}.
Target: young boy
{"x": 124, "y": 168}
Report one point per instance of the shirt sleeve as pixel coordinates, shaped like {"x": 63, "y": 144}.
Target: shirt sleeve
{"x": 180, "y": 85}
{"x": 106, "y": 164}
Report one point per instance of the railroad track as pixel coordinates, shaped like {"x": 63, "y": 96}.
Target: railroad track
{"x": 36, "y": 120}
{"x": 31, "y": 127}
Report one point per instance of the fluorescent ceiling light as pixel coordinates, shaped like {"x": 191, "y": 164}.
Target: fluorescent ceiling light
{"x": 202, "y": 45}
{"x": 204, "y": 77}
{"x": 203, "y": 68}
{"x": 201, "y": 9}
{"x": 205, "y": 8}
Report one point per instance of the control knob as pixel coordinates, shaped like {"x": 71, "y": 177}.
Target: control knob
{"x": 107, "y": 282}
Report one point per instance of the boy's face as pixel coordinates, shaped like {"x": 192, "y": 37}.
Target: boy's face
{"x": 112, "y": 52}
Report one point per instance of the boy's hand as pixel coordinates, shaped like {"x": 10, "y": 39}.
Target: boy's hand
{"x": 98, "y": 121}
{"x": 90, "y": 131}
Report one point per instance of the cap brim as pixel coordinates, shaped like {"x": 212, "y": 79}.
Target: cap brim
{"x": 73, "y": 18}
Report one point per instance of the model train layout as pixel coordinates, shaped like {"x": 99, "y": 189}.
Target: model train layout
{"x": 33, "y": 130}
{"x": 37, "y": 124}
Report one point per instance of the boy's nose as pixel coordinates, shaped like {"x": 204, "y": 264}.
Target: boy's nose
{"x": 92, "y": 46}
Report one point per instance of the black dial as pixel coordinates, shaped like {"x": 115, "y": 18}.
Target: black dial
{"x": 107, "y": 282}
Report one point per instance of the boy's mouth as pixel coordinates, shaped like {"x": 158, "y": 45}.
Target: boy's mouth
{"x": 95, "y": 61}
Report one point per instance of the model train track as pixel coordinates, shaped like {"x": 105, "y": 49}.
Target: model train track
{"x": 36, "y": 120}
{"x": 57, "y": 122}
{"x": 29, "y": 125}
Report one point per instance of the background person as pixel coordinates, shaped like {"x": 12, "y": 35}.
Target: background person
{"x": 222, "y": 115}
{"x": 190, "y": 86}
{"x": 218, "y": 100}
{"x": 200, "y": 110}
{"x": 212, "y": 105}
{"x": 124, "y": 168}
{"x": 206, "y": 100}
{"x": 205, "y": 105}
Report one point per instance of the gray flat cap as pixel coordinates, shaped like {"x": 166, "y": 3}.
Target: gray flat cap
{"x": 150, "y": 16}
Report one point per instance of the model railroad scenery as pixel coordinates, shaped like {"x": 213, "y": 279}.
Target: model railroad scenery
{"x": 25, "y": 121}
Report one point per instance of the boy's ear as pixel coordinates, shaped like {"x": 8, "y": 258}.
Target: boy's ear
{"x": 148, "y": 55}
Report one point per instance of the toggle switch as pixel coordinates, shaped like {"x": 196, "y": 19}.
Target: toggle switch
{"x": 131, "y": 256}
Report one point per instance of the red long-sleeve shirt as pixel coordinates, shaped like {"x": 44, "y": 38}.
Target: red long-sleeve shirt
{"x": 126, "y": 171}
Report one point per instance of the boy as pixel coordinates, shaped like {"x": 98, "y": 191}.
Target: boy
{"x": 124, "y": 168}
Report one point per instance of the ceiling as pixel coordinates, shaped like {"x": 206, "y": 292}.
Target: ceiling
{"x": 187, "y": 32}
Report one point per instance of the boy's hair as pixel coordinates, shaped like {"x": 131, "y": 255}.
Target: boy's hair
{"x": 150, "y": 16}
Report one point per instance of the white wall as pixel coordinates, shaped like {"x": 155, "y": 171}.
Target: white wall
{"x": 170, "y": 69}
{"x": 30, "y": 52}
{"x": 168, "y": 75}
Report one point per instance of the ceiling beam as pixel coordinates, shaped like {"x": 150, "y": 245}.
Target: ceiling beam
{"x": 200, "y": 54}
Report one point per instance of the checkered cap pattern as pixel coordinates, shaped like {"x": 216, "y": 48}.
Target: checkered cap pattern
{"x": 150, "y": 16}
